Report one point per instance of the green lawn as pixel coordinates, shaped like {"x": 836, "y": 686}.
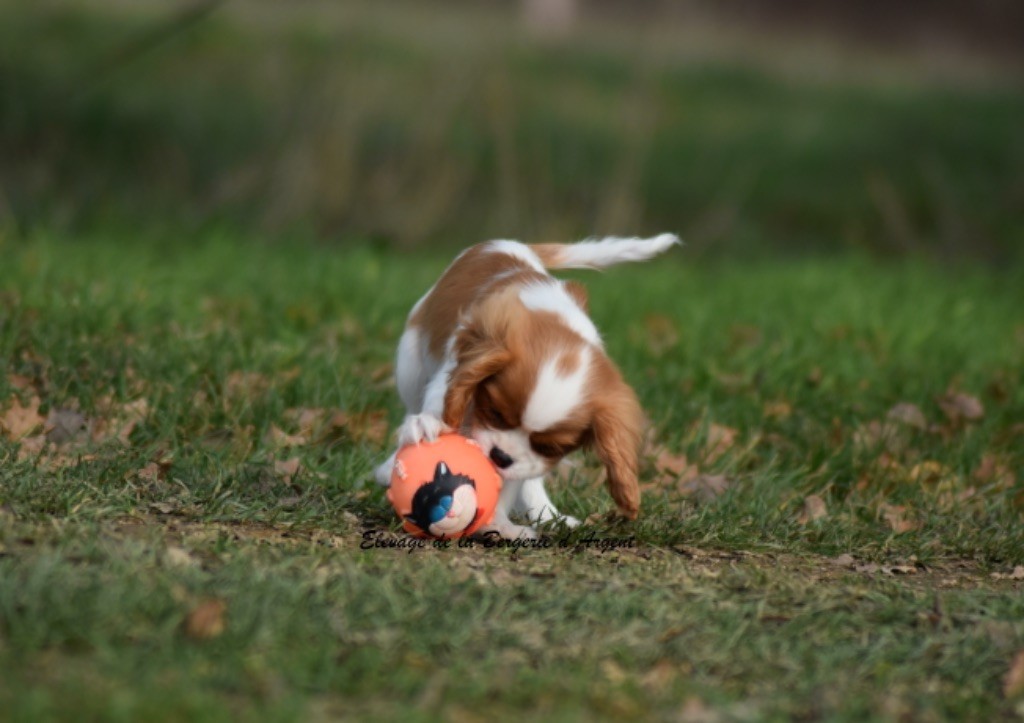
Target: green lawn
{"x": 410, "y": 124}
{"x": 187, "y": 546}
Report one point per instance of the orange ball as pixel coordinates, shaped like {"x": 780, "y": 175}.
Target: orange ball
{"x": 444, "y": 489}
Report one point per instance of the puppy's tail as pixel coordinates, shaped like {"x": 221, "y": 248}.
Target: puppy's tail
{"x": 599, "y": 253}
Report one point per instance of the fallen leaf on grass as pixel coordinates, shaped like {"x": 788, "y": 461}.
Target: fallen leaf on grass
{"x": 1017, "y": 574}
{"x": 1013, "y": 683}
{"x": 873, "y": 436}
{"x": 613, "y": 672}
{"x": 908, "y": 414}
{"x": 21, "y": 420}
{"x": 695, "y": 710}
{"x": 118, "y": 421}
{"x": 814, "y": 509}
{"x": 150, "y": 474}
{"x": 277, "y": 438}
{"x": 206, "y": 620}
{"x": 778, "y": 409}
{"x": 991, "y": 470}
{"x": 308, "y": 420}
{"x": 179, "y": 557}
{"x": 959, "y": 407}
{"x": 288, "y": 468}
{"x": 317, "y": 425}
{"x": 667, "y": 468}
{"x": 367, "y": 426}
{"x": 19, "y": 381}
{"x": 660, "y": 676}
{"x": 63, "y": 425}
{"x": 899, "y": 518}
{"x": 705, "y": 487}
{"x": 241, "y": 385}
{"x": 31, "y": 447}
{"x": 929, "y": 473}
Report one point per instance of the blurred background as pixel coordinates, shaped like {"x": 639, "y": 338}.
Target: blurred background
{"x": 750, "y": 127}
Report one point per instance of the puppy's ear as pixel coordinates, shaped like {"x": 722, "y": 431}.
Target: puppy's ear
{"x": 617, "y": 431}
{"x": 478, "y": 355}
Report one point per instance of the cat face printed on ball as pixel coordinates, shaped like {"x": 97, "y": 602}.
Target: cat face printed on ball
{"x": 446, "y": 505}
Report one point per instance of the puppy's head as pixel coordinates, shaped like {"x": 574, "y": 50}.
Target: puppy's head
{"x": 530, "y": 390}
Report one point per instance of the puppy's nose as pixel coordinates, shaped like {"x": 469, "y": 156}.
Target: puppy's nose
{"x": 501, "y": 458}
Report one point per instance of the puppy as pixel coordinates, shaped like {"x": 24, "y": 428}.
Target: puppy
{"x": 505, "y": 353}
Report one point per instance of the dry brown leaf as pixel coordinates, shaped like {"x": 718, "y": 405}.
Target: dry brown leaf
{"x": 1017, "y": 574}
{"x": 31, "y": 447}
{"x": 613, "y": 672}
{"x": 21, "y": 420}
{"x": 705, "y": 487}
{"x": 368, "y": 426}
{"x": 660, "y": 676}
{"x": 383, "y": 372}
{"x": 778, "y": 409}
{"x": 118, "y": 421}
{"x": 150, "y": 474}
{"x": 931, "y": 474}
{"x": 908, "y": 414}
{"x": 1013, "y": 683}
{"x": 276, "y": 437}
{"x": 695, "y": 710}
{"x": 19, "y": 381}
{"x": 241, "y": 385}
{"x": 878, "y": 436}
{"x": 63, "y": 425}
{"x": 309, "y": 421}
{"x": 179, "y": 557}
{"x": 991, "y": 470}
{"x": 668, "y": 467}
{"x": 899, "y": 518}
{"x": 959, "y": 407}
{"x": 814, "y": 509}
{"x": 288, "y": 468}
{"x": 206, "y": 620}
{"x": 720, "y": 440}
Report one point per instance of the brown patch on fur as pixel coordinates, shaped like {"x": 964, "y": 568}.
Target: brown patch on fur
{"x": 461, "y": 286}
{"x": 568, "y": 363}
{"x": 578, "y": 292}
{"x": 551, "y": 255}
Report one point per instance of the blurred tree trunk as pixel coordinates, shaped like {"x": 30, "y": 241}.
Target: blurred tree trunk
{"x": 550, "y": 18}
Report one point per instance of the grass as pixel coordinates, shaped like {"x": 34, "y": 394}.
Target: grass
{"x": 414, "y": 126}
{"x": 726, "y": 607}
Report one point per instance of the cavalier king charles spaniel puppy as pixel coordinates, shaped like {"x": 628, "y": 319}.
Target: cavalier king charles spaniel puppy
{"x": 505, "y": 353}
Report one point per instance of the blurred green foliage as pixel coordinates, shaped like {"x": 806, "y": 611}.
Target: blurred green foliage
{"x": 355, "y": 123}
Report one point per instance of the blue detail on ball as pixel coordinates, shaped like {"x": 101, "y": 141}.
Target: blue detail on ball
{"x": 441, "y": 509}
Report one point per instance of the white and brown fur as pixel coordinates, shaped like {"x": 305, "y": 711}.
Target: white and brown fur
{"x": 505, "y": 353}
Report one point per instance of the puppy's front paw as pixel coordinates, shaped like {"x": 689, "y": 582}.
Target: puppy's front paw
{"x": 421, "y": 428}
